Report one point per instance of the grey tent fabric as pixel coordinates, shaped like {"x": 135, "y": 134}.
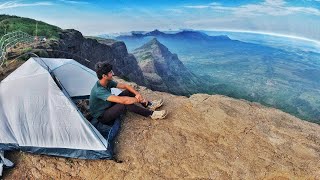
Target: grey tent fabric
{"x": 1, "y": 168}
{"x": 76, "y": 79}
{"x": 38, "y": 115}
{"x": 4, "y": 162}
{"x": 1, "y": 163}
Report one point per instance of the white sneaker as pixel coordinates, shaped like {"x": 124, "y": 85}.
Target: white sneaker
{"x": 155, "y": 104}
{"x": 159, "y": 114}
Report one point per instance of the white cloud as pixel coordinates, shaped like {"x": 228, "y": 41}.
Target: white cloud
{"x": 15, "y": 4}
{"x": 74, "y": 2}
{"x": 314, "y": 0}
{"x": 275, "y": 8}
{"x": 173, "y": 10}
{"x": 274, "y": 2}
{"x": 198, "y": 6}
{"x": 268, "y": 7}
{"x": 203, "y": 6}
{"x": 270, "y": 15}
{"x": 214, "y": 4}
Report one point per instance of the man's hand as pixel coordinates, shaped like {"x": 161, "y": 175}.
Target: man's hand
{"x": 132, "y": 90}
{"x": 139, "y": 97}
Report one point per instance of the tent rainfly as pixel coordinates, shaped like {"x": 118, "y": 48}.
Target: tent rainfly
{"x": 38, "y": 115}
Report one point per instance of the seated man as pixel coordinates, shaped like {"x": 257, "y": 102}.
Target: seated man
{"x": 107, "y": 107}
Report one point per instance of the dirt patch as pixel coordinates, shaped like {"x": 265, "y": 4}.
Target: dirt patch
{"x": 9, "y": 67}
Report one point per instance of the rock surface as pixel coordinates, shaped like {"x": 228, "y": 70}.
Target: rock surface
{"x": 203, "y": 137}
{"x": 89, "y": 51}
{"x": 164, "y": 71}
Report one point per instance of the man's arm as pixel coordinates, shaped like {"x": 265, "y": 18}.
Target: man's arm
{"x": 127, "y": 87}
{"x": 122, "y": 99}
{"x": 131, "y": 89}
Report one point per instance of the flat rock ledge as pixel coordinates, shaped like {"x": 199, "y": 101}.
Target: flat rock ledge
{"x": 203, "y": 137}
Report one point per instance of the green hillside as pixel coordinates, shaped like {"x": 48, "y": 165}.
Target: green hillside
{"x": 14, "y": 23}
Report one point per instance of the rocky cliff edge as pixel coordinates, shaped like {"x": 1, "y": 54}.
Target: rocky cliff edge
{"x": 204, "y": 136}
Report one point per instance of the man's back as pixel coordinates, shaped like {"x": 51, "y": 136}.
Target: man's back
{"x": 98, "y": 98}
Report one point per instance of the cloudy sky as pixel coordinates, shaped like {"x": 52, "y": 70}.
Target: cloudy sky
{"x": 289, "y": 17}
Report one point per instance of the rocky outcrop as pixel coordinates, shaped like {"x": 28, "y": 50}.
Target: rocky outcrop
{"x": 89, "y": 51}
{"x": 164, "y": 71}
{"x": 203, "y": 137}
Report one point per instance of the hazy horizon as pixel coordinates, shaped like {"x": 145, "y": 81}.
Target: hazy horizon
{"x": 291, "y": 18}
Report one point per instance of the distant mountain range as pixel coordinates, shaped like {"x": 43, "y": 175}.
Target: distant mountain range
{"x": 186, "y": 34}
{"x": 172, "y": 40}
{"x": 190, "y": 34}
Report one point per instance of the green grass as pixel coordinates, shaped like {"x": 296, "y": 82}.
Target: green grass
{"x": 27, "y": 49}
{"x": 102, "y": 40}
{"x": 96, "y": 38}
{"x": 15, "y": 23}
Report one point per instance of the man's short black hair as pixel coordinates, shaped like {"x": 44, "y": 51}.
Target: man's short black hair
{"x": 102, "y": 68}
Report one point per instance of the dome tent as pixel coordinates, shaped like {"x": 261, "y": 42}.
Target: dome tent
{"x": 38, "y": 115}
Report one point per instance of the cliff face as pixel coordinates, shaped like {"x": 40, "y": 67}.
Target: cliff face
{"x": 164, "y": 71}
{"x": 89, "y": 51}
{"x": 151, "y": 65}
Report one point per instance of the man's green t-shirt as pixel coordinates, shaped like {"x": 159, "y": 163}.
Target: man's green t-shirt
{"x": 98, "y": 98}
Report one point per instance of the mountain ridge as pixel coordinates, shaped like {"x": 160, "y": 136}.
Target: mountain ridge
{"x": 182, "y": 34}
{"x": 164, "y": 71}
